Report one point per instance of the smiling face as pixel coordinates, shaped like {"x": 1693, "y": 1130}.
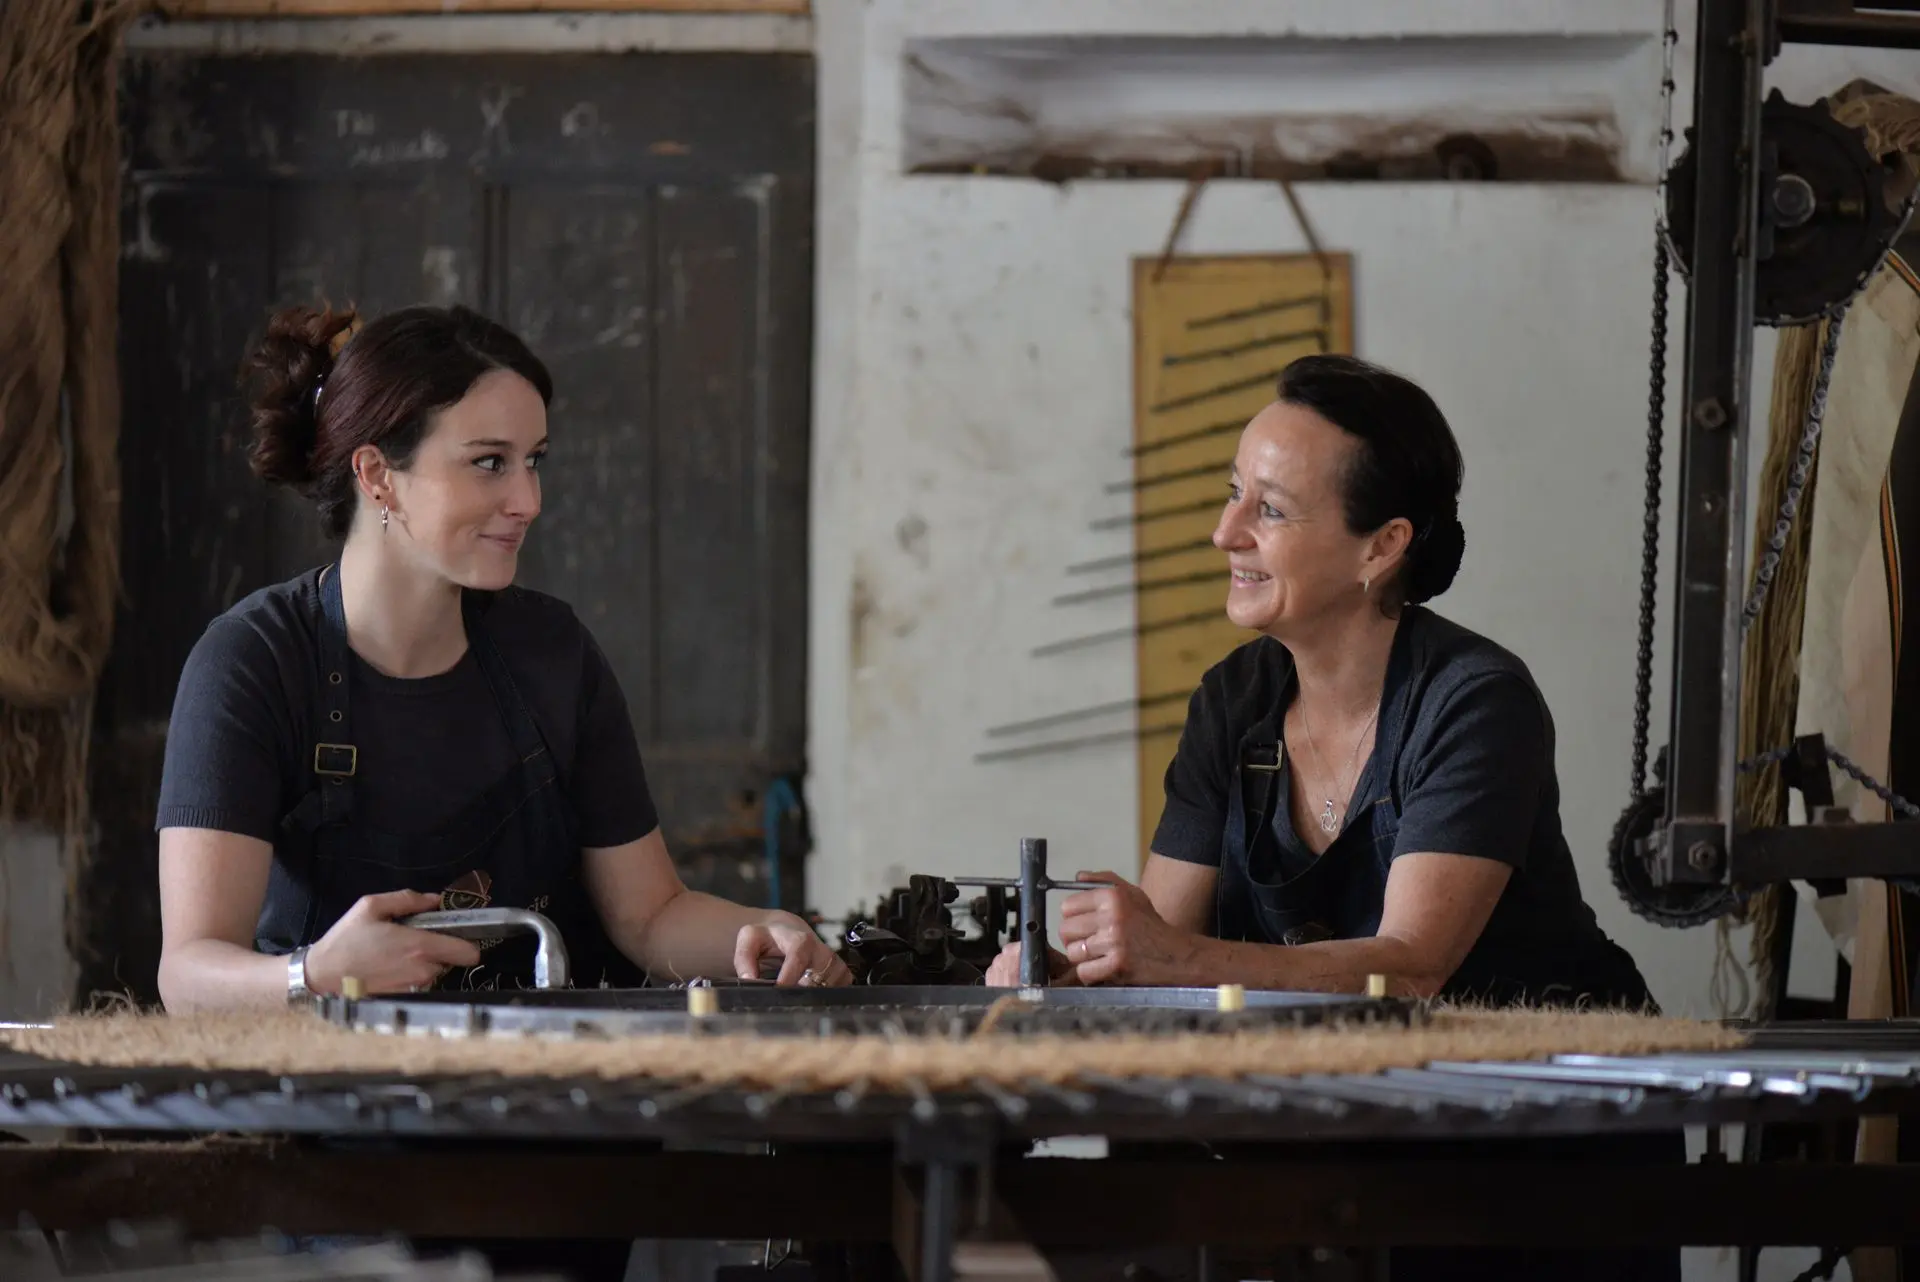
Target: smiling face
{"x": 465, "y": 500}
{"x": 1294, "y": 564}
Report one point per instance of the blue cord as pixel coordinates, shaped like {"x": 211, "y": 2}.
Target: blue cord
{"x": 782, "y": 800}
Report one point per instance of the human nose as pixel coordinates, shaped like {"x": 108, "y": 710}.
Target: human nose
{"x": 523, "y": 495}
{"x": 1231, "y": 531}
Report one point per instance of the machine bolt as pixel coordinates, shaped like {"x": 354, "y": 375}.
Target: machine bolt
{"x": 1792, "y": 199}
{"x": 1702, "y": 856}
{"x": 1710, "y": 413}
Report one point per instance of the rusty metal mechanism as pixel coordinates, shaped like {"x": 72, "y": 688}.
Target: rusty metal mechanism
{"x": 914, "y": 940}
{"x": 1825, "y": 219}
{"x": 1777, "y": 214}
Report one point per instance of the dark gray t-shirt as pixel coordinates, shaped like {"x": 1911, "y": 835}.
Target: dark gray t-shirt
{"x": 240, "y": 742}
{"x": 1473, "y": 775}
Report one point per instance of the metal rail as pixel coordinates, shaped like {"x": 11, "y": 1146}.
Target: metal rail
{"x": 894, "y": 1010}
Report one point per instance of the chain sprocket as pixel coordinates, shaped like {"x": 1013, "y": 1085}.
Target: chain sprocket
{"x": 1676, "y": 907}
{"x": 1825, "y": 218}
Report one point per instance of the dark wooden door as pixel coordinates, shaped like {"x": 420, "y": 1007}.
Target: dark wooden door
{"x": 645, "y": 222}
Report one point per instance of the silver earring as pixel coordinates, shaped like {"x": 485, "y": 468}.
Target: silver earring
{"x": 1366, "y": 585}
{"x": 385, "y": 514}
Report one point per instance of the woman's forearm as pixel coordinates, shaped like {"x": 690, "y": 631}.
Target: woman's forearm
{"x": 212, "y": 974}
{"x": 692, "y": 934}
{"x": 1331, "y": 966}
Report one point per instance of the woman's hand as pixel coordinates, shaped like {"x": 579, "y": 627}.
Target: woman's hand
{"x": 1005, "y": 971}
{"x": 805, "y": 957}
{"x": 1116, "y": 935}
{"x": 366, "y": 945}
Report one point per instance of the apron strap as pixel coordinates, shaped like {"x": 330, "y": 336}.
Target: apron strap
{"x": 529, "y": 745}
{"x": 335, "y": 759}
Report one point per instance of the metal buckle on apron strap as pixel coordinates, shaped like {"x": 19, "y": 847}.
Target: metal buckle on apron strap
{"x": 1279, "y": 757}
{"x": 336, "y": 754}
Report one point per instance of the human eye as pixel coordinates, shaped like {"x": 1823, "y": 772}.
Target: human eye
{"x": 1271, "y": 512}
{"x": 535, "y": 459}
{"x": 490, "y": 463}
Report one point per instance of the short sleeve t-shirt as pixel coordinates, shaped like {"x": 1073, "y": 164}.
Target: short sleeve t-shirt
{"x": 1473, "y": 775}
{"x": 240, "y": 739}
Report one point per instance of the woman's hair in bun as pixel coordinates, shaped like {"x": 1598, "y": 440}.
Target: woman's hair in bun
{"x": 321, "y": 385}
{"x": 284, "y": 371}
{"x": 1406, "y": 464}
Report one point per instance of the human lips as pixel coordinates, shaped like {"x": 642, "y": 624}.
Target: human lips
{"x": 1246, "y": 577}
{"x": 508, "y": 542}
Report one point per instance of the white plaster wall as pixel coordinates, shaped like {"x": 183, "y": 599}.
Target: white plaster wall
{"x": 36, "y": 971}
{"x": 973, "y": 397}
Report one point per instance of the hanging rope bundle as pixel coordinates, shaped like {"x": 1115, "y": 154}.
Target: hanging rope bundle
{"x": 59, "y": 394}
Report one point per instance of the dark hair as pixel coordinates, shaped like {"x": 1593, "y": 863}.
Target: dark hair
{"x": 322, "y": 386}
{"x": 1405, "y": 463}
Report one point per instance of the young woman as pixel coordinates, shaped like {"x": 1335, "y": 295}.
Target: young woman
{"x": 405, "y": 730}
{"x": 1365, "y": 788}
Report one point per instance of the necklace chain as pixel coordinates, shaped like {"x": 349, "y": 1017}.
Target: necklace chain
{"x": 1329, "y": 819}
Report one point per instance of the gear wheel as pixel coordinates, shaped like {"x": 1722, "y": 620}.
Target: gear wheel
{"x": 1825, "y": 217}
{"x": 1677, "y": 907}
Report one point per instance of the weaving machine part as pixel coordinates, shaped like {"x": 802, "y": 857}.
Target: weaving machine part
{"x": 1847, "y": 1072}
{"x": 1811, "y": 271}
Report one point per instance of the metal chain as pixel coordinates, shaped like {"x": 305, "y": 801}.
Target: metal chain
{"x": 1656, "y": 417}
{"x": 1835, "y": 317}
{"x": 1797, "y": 476}
{"x": 1846, "y": 764}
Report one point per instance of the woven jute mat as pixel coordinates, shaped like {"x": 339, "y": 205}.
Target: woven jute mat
{"x": 297, "y": 1044}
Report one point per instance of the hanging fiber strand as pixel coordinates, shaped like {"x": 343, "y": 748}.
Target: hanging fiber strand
{"x": 59, "y": 395}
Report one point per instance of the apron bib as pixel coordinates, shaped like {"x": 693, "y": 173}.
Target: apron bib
{"x": 1341, "y": 893}
{"x": 514, "y": 845}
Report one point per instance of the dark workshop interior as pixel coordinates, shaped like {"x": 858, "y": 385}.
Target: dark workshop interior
{"x": 903, "y": 641}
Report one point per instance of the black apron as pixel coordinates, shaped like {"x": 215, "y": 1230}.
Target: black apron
{"x": 1265, "y": 896}
{"x": 519, "y": 831}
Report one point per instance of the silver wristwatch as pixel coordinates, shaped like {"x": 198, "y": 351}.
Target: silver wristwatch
{"x": 297, "y": 990}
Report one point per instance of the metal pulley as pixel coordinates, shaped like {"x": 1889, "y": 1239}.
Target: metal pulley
{"x": 1675, "y": 906}
{"x": 1828, "y": 211}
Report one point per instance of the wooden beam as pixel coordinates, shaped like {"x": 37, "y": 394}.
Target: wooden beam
{"x": 208, "y": 9}
{"x": 531, "y": 1191}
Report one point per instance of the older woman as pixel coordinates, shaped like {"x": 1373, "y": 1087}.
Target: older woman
{"x": 1366, "y": 787}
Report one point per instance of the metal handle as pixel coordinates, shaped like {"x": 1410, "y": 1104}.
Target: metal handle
{"x": 549, "y": 959}
{"x": 1033, "y": 912}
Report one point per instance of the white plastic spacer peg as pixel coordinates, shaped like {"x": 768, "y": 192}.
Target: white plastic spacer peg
{"x": 1376, "y": 985}
{"x": 702, "y": 1002}
{"x": 1230, "y": 997}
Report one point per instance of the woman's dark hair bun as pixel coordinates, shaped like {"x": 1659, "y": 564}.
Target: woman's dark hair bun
{"x": 282, "y": 374}
{"x": 1435, "y": 559}
{"x": 1405, "y": 464}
